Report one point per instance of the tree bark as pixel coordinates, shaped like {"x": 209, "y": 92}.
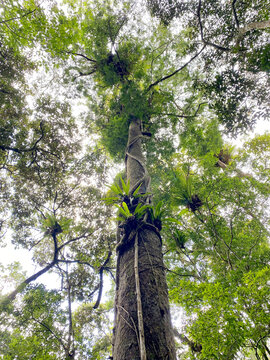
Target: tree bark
{"x": 251, "y": 26}
{"x": 158, "y": 333}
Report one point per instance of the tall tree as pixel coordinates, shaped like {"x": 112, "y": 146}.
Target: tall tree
{"x": 142, "y": 325}
{"x": 143, "y": 78}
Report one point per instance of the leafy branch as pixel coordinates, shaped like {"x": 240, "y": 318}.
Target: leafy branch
{"x": 51, "y": 228}
{"x": 19, "y": 17}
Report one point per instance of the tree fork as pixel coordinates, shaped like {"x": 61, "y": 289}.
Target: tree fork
{"x": 158, "y": 332}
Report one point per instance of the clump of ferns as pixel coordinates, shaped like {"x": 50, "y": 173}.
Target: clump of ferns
{"x": 142, "y": 212}
{"x": 131, "y": 219}
{"x": 116, "y": 67}
{"x": 179, "y": 238}
{"x": 120, "y": 192}
{"x": 184, "y": 193}
{"x": 52, "y": 226}
{"x": 130, "y": 209}
{"x": 156, "y": 213}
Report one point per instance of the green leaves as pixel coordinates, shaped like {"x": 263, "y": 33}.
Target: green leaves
{"x": 125, "y": 212}
{"x": 114, "y": 113}
{"x": 184, "y": 191}
{"x": 217, "y": 224}
{"x": 125, "y": 187}
{"x": 116, "y": 68}
{"x": 140, "y": 210}
{"x": 53, "y": 226}
{"x": 128, "y": 206}
{"x": 223, "y": 308}
{"x": 156, "y": 212}
{"x": 33, "y": 324}
{"x": 184, "y": 186}
{"x": 117, "y": 192}
{"x": 219, "y": 252}
{"x": 180, "y": 238}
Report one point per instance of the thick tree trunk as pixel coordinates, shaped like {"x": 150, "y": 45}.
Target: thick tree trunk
{"x": 158, "y": 334}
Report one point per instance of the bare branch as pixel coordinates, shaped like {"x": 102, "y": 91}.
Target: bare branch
{"x": 100, "y": 289}
{"x": 94, "y": 291}
{"x": 10, "y": 297}
{"x": 251, "y": 26}
{"x": 4, "y": 148}
{"x": 65, "y": 197}
{"x": 113, "y": 38}
{"x": 15, "y": 33}
{"x": 112, "y": 276}
{"x": 254, "y": 26}
{"x": 165, "y": 46}
{"x": 42, "y": 135}
{"x": 107, "y": 259}
{"x": 183, "y": 275}
{"x": 70, "y": 327}
{"x": 36, "y": 243}
{"x": 218, "y": 237}
{"x": 176, "y": 71}
{"x": 171, "y": 114}
{"x": 185, "y": 116}
{"x": 102, "y": 268}
{"x": 76, "y": 262}
{"x": 54, "y": 201}
{"x": 84, "y": 235}
{"x": 81, "y": 74}
{"x": 206, "y": 42}
{"x": 221, "y": 164}
{"x": 235, "y": 14}
{"x": 82, "y": 55}
{"x": 199, "y": 18}
{"x": 34, "y": 147}
{"x": 4, "y": 91}
{"x": 250, "y": 213}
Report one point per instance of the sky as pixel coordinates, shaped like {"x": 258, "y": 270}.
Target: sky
{"x": 9, "y": 255}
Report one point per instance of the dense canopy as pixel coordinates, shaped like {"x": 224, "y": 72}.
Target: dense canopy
{"x": 74, "y": 77}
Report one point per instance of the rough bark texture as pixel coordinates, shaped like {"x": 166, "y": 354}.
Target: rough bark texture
{"x": 159, "y": 339}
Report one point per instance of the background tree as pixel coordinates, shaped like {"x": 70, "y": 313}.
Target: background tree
{"x": 186, "y": 85}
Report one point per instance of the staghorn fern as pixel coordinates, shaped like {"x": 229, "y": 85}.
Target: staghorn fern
{"x": 184, "y": 193}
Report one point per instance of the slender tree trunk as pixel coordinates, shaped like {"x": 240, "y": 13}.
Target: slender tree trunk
{"x": 146, "y": 256}
{"x": 70, "y": 350}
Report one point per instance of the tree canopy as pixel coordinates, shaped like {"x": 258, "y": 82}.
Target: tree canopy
{"x": 73, "y": 75}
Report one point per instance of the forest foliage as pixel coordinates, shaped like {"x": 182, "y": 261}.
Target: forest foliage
{"x": 72, "y": 75}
